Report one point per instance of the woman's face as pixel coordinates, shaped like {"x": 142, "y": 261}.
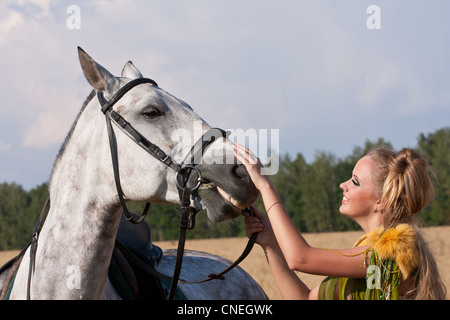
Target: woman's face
{"x": 359, "y": 198}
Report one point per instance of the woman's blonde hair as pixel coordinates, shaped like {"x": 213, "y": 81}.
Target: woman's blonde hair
{"x": 404, "y": 183}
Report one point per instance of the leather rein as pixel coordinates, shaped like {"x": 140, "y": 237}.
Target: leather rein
{"x": 184, "y": 171}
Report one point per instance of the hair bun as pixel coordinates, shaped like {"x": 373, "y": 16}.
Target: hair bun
{"x": 408, "y": 184}
{"x": 401, "y": 161}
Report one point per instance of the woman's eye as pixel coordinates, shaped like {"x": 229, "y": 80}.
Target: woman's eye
{"x": 355, "y": 182}
{"x": 152, "y": 112}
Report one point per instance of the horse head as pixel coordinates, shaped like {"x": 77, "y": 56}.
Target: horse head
{"x": 171, "y": 124}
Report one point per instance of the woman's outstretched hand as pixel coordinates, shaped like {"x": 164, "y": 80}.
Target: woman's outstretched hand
{"x": 253, "y": 166}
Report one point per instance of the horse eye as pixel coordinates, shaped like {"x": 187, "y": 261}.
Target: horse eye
{"x": 152, "y": 112}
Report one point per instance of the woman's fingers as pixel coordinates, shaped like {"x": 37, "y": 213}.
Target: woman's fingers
{"x": 252, "y": 224}
{"x": 252, "y": 164}
{"x": 256, "y": 213}
{"x": 251, "y": 219}
{"x": 239, "y": 153}
{"x": 251, "y": 228}
{"x": 243, "y": 153}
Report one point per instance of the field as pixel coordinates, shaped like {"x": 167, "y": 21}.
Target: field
{"x": 256, "y": 265}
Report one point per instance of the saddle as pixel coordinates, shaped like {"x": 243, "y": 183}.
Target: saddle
{"x": 134, "y": 241}
{"x": 138, "y": 237}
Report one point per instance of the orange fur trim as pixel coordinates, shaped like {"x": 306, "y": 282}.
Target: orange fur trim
{"x": 397, "y": 244}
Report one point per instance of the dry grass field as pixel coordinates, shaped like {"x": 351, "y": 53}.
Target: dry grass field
{"x": 256, "y": 266}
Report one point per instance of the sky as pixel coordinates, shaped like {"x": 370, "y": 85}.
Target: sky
{"x": 327, "y": 75}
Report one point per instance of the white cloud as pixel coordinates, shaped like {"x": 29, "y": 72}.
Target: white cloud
{"x": 48, "y": 129}
{"x": 37, "y": 9}
{"x": 7, "y": 26}
{"x": 41, "y": 63}
{"x": 396, "y": 88}
{"x": 55, "y": 117}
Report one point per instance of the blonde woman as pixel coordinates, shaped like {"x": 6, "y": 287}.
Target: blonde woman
{"x": 391, "y": 261}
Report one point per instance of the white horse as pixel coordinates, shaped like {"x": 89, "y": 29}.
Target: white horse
{"x": 77, "y": 239}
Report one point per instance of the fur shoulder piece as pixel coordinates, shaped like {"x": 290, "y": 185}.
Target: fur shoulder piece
{"x": 397, "y": 244}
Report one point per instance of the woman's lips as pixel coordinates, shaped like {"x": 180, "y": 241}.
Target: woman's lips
{"x": 345, "y": 199}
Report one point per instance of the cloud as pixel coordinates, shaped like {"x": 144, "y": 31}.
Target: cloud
{"x": 53, "y": 121}
{"x": 7, "y": 26}
{"x": 19, "y": 13}
{"x": 35, "y": 9}
{"x": 42, "y": 84}
{"x": 48, "y": 129}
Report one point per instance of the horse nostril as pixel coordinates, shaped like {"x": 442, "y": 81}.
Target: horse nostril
{"x": 240, "y": 171}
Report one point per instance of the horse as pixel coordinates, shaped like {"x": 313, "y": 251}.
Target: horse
{"x": 88, "y": 192}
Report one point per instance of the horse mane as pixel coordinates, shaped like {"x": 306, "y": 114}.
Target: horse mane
{"x": 69, "y": 134}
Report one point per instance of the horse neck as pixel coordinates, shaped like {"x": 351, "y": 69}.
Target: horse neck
{"x": 82, "y": 223}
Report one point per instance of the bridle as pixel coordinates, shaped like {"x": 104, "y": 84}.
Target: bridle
{"x": 184, "y": 171}
{"x": 189, "y": 164}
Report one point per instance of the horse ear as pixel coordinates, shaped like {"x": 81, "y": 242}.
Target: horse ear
{"x": 130, "y": 71}
{"x": 97, "y": 76}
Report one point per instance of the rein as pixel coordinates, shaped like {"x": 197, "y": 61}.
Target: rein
{"x": 184, "y": 171}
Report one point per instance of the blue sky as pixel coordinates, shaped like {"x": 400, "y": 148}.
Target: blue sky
{"x": 311, "y": 69}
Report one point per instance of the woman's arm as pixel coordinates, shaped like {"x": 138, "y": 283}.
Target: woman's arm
{"x": 288, "y": 283}
{"x": 297, "y": 253}
{"x": 301, "y": 256}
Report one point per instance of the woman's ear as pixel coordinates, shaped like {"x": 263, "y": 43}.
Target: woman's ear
{"x": 378, "y": 207}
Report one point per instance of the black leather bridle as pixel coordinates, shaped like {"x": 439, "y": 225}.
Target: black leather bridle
{"x": 184, "y": 171}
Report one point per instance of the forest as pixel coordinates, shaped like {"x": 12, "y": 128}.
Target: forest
{"x": 310, "y": 192}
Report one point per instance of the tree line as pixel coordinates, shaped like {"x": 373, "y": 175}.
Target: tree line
{"x": 310, "y": 193}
